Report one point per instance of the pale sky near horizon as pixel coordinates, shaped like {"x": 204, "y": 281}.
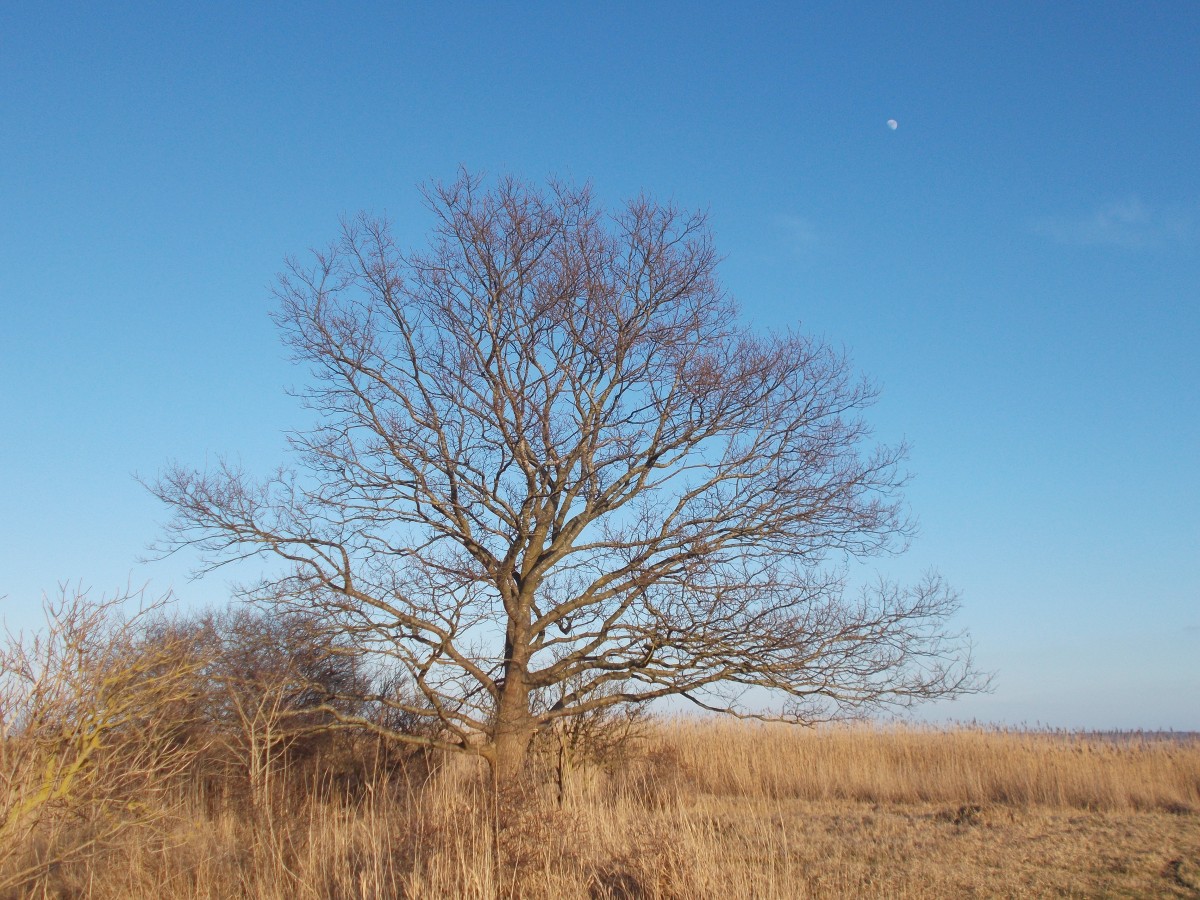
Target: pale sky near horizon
{"x": 1017, "y": 264}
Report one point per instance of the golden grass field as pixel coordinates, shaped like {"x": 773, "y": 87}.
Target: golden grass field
{"x": 692, "y": 809}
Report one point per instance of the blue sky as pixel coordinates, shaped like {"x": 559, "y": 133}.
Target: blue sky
{"x": 1017, "y": 264}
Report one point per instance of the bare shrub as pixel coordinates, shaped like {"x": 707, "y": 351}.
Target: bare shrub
{"x": 89, "y": 727}
{"x": 268, "y": 706}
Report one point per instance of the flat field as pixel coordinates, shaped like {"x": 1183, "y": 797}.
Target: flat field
{"x": 689, "y": 809}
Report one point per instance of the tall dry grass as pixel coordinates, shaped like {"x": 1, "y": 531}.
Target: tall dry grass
{"x": 691, "y": 809}
{"x": 900, "y": 764}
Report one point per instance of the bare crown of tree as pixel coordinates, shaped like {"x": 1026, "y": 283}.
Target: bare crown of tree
{"x": 553, "y": 473}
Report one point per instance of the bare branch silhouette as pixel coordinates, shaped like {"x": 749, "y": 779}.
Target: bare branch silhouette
{"x": 548, "y": 454}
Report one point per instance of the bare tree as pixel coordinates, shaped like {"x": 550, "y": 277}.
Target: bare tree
{"x": 548, "y": 454}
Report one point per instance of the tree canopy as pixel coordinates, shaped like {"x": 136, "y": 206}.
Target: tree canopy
{"x": 553, "y": 472}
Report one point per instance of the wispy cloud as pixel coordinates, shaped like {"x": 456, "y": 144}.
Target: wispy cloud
{"x": 1127, "y": 223}
{"x": 798, "y": 233}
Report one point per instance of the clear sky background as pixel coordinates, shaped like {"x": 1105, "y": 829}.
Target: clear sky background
{"x": 1017, "y": 264}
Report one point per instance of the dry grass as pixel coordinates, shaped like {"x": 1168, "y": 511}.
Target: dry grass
{"x": 907, "y": 765}
{"x": 698, "y": 809}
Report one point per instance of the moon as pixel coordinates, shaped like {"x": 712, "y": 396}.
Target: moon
{"x": 893, "y": 124}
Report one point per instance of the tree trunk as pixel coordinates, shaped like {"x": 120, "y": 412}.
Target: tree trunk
{"x": 514, "y": 725}
{"x": 513, "y": 731}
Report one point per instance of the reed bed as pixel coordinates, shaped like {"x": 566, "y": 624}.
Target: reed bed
{"x": 690, "y": 809}
{"x": 897, "y": 764}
